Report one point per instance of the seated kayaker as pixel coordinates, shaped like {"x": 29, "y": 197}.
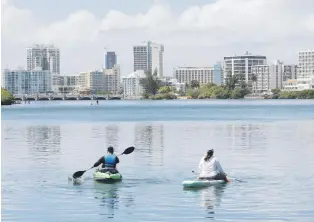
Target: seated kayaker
{"x": 109, "y": 161}
{"x": 211, "y": 169}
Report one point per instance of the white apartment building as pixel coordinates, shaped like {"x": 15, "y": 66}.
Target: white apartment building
{"x": 290, "y": 85}
{"x": 91, "y": 81}
{"x": 149, "y": 56}
{"x": 21, "y": 82}
{"x": 299, "y": 84}
{"x": 242, "y": 65}
{"x": 305, "y": 76}
{"x": 306, "y": 64}
{"x": 45, "y": 56}
{"x": 170, "y": 81}
{"x": 131, "y": 85}
{"x": 268, "y": 77}
{"x": 203, "y": 75}
{"x": 70, "y": 80}
{"x": 112, "y": 80}
{"x": 106, "y": 80}
{"x": 178, "y": 86}
{"x": 305, "y": 83}
{"x": 68, "y": 84}
{"x": 289, "y": 72}
{"x": 263, "y": 79}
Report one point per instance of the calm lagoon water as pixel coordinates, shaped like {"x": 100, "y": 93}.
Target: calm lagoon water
{"x": 269, "y": 145}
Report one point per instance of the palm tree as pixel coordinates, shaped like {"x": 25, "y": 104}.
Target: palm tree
{"x": 231, "y": 81}
{"x": 194, "y": 84}
{"x": 254, "y": 79}
{"x": 150, "y": 83}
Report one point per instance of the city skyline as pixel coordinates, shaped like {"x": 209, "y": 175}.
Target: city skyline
{"x": 193, "y": 33}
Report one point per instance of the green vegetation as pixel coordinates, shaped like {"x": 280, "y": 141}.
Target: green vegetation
{"x": 150, "y": 84}
{"x": 194, "y": 84}
{"x": 254, "y": 80}
{"x": 235, "y": 88}
{"x": 304, "y": 94}
{"x": 102, "y": 93}
{"x": 276, "y": 93}
{"x": 165, "y": 92}
{"x": 6, "y": 97}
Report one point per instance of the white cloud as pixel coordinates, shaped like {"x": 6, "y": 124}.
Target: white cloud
{"x": 76, "y": 29}
{"x": 201, "y": 34}
{"x": 158, "y": 17}
{"x": 17, "y": 22}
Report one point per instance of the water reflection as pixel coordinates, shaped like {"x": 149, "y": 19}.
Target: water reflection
{"x": 245, "y": 136}
{"x": 43, "y": 140}
{"x": 210, "y": 198}
{"x": 112, "y": 135}
{"x": 149, "y": 140}
{"x": 111, "y": 198}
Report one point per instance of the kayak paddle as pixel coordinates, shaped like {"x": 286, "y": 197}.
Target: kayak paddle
{"x": 125, "y": 152}
{"x": 128, "y": 150}
{"x": 80, "y": 173}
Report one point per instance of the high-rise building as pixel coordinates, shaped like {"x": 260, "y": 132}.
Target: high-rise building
{"x": 110, "y": 60}
{"x": 268, "y": 77}
{"x": 289, "y": 72}
{"x": 305, "y": 73}
{"x": 131, "y": 85}
{"x": 203, "y": 75}
{"x": 92, "y": 81}
{"x": 45, "y": 56}
{"x": 68, "y": 84}
{"x": 107, "y": 80}
{"x": 262, "y": 83}
{"x": 306, "y": 64}
{"x": 218, "y": 74}
{"x": 21, "y": 82}
{"x": 242, "y": 66}
{"x": 112, "y": 80}
{"x": 149, "y": 57}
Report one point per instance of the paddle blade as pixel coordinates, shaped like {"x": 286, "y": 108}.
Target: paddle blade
{"x": 78, "y": 174}
{"x": 128, "y": 150}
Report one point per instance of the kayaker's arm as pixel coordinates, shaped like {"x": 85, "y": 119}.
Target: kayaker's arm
{"x": 201, "y": 163}
{"x": 100, "y": 161}
{"x": 117, "y": 160}
{"x": 218, "y": 167}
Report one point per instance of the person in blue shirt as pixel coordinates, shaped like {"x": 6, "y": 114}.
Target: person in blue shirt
{"x": 109, "y": 161}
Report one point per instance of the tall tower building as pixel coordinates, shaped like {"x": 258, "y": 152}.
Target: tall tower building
{"x": 46, "y": 57}
{"x": 149, "y": 57}
{"x": 306, "y": 64}
{"x": 242, "y": 65}
{"x": 110, "y": 60}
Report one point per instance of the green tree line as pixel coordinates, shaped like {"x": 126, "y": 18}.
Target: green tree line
{"x": 235, "y": 87}
{"x": 304, "y": 94}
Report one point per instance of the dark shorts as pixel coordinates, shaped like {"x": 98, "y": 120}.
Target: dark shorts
{"x": 219, "y": 176}
{"x": 112, "y": 171}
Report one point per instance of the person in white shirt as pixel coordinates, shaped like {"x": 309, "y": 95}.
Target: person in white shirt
{"x": 211, "y": 169}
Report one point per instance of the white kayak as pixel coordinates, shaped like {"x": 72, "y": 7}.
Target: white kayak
{"x": 201, "y": 183}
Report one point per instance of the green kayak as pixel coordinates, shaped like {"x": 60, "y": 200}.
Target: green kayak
{"x": 105, "y": 175}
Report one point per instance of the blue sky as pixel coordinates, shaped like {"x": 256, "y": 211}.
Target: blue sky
{"x": 194, "y": 32}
